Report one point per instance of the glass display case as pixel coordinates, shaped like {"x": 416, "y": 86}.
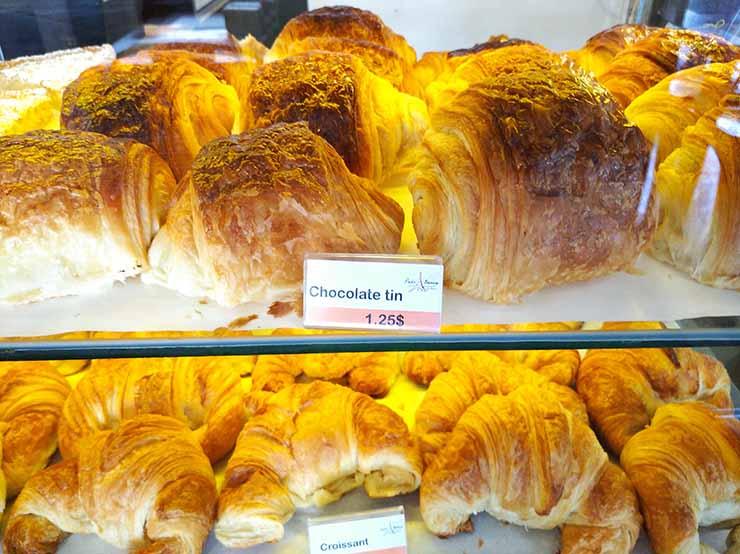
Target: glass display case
{"x": 553, "y": 190}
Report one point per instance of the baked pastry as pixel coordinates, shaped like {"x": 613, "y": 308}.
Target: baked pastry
{"x": 559, "y": 366}
{"x": 31, "y": 86}
{"x": 473, "y": 375}
{"x": 77, "y": 211}
{"x": 599, "y": 51}
{"x": 686, "y": 469}
{"x": 525, "y": 459}
{"x": 529, "y": 179}
{"x": 309, "y": 445}
{"x": 204, "y": 393}
{"x": 367, "y": 121}
{"x": 254, "y": 204}
{"x": 168, "y": 102}
{"x": 348, "y": 30}
{"x": 622, "y": 388}
{"x": 65, "y": 367}
{"x": 31, "y": 400}
{"x": 371, "y": 373}
{"x": 147, "y": 487}
{"x": 664, "y": 51}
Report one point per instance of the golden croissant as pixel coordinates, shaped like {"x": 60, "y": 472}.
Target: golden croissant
{"x": 529, "y": 178}
{"x": 367, "y": 121}
{"x": 473, "y": 375}
{"x": 622, "y": 388}
{"x": 662, "y": 52}
{"x": 254, "y": 204}
{"x": 526, "y": 459}
{"x": 170, "y": 103}
{"x": 600, "y": 49}
{"x": 205, "y": 395}
{"x": 147, "y": 487}
{"x": 559, "y": 366}
{"x": 31, "y": 398}
{"x": 371, "y": 373}
{"x": 310, "y": 444}
{"x": 686, "y": 469}
{"x": 77, "y": 212}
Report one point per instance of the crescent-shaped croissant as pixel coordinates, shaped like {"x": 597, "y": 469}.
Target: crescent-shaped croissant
{"x": 686, "y": 469}
{"x": 147, "y": 487}
{"x": 530, "y": 178}
{"x": 623, "y": 387}
{"x": 525, "y": 459}
{"x": 254, "y": 204}
{"x": 205, "y": 394}
{"x": 600, "y": 49}
{"x": 310, "y": 444}
{"x": 77, "y": 212}
{"x": 168, "y": 102}
{"x": 31, "y": 400}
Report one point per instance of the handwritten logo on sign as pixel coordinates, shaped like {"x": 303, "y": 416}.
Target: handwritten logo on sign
{"x": 421, "y": 284}
{"x": 391, "y": 529}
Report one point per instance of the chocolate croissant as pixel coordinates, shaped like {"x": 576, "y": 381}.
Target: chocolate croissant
{"x": 371, "y": 373}
{"x": 686, "y": 469}
{"x": 31, "y": 400}
{"x": 622, "y": 388}
{"x": 147, "y": 487}
{"x": 367, "y": 121}
{"x": 311, "y": 444}
{"x": 77, "y": 212}
{"x": 525, "y": 459}
{"x": 530, "y": 178}
{"x": 254, "y": 204}
{"x": 168, "y": 102}
{"x": 664, "y": 51}
{"x": 599, "y": 50}
{"x": 201, "y": 392}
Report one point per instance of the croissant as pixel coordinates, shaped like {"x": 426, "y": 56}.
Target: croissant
{"x": 31, "y": 400}
{"x": 686, "y": 469}
{"x": 310, "y": 445}
{"x": 147, "y": 486}
{"x": 368, "y": 122}
{"x": 170, "y": 103}
{"x": 529, "y": 179}
{"x": 348, "y": 30}
{"x": 622, "y": 388}
{"x": 254, "y": 204}
{"x": 77, "y": 212}
{"x": 473, "y": 375}
{"x": 204, "y": 393}
{"x": 371, "y": 373}
{"x": 559, "y": 366}
{"x": 525, "y": 459}
{"x": 599, "y": 50}
{"x": 664, "y": 51}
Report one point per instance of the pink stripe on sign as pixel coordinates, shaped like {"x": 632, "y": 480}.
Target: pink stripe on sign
{"x": 378, "y": 319}
{"x": 396, "y": 550}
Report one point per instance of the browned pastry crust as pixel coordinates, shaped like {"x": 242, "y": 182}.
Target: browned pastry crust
{"x": 367, "y": 121}
{"x": 686, "y": 469}
{"x": 146, "y": 487}
{"x": 622, "y": 388}
{"x": 525, "y": 459}
{"x": 559, "y": 366}
{"x": 31, "y": 399}
{"x": 77, "y": 211}
{"x": 530, "y": 179}
{"x": 371, "y": 373}
{"x": 165, "y": 101}
{"x": 254, "y": 204}
{"x": 662, "y": 52}
{"x": 204, "y": 393}
{"x": 599, "y": 50}
{"x": 309, "y": 445}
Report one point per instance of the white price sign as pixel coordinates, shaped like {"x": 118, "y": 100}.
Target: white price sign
{"x": 373, "y": 292}
{"x": 373, "y": 532}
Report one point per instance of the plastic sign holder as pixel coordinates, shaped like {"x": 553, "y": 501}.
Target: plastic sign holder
{"x": 373, "y": 292}
{"x": 373, "y": 532}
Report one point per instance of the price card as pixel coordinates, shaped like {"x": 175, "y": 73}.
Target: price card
{"x": 373, "y": 532}
{"x": 401, "y": 293}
